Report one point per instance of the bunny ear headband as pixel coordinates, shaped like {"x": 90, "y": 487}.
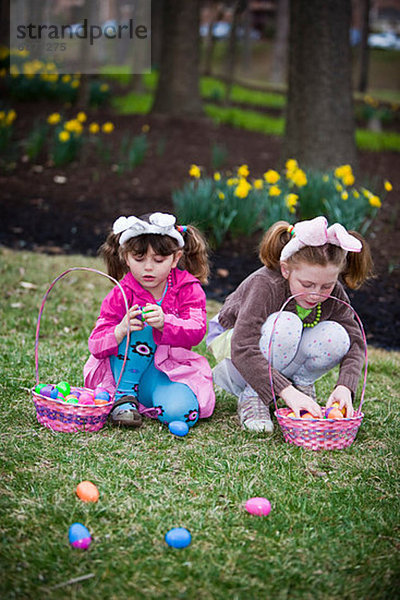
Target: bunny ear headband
{"x": 161, "y": 223}
{"x": 317, "y": 233}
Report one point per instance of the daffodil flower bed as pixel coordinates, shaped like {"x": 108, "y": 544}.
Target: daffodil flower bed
{"x": 241, "y": 204}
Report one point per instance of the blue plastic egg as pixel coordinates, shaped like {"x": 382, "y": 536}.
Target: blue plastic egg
{"x": 179, "y": 428}
{"x": 178, "y": 537}
{"x": 102, "y": 396}
{"x": 79, "y": 536}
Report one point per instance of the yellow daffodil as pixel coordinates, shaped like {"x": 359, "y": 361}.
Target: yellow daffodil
{"x": 339, "y": 188}
{"x": 14, "y": 71}
{"x": 81, "y": 117}
{"x": 274, "y": 190}
{"x": 54, "y": 118}
{"x": 217, "y": 176}
{"x": 64, "y": 136}
{"x": 104, "y": 87}
{"x": 258, "y": 184}
{"x": 243, "y": 188}
{"x": 388, "y": 186}
{"x": 232, "y": 181}
{"x": 195, "y": 172}
{"x": 291, "y": 165}
{"x": 94, "y": 128}
{"x": 108, "y": 127}
{"x": 375, "y": 201}
{"x": 75, "y": 83}
{"x": 73, "y": 125}
{"x": 299, "y": 178}
{"x": 271, "y": 176}
{"x": 145, "y": 128}
{"x": 325, "y": 178}
{"x": 221, "y": 195}
{"x": 348, "y": 179}
{"x": 356, "y": 194}
{"x": 66, "y": 78}
{"x": 2, "y": 115}
{"x": 11, "y": 116}
{"x": 345, "y": 195}
{"x": 3, "y": 72}
{"x": 291, "y": 202}
{"x": 243, "y": 171}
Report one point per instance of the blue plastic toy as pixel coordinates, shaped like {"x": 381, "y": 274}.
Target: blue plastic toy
{"x": 178, "y": 537}
{"x": 179, "y": 428}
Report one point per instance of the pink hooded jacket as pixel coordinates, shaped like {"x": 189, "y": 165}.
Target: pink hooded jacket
{"x": 184, "y": 306}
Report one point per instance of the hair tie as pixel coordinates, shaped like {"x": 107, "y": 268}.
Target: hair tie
{"x": 182, "y": 228}
{"x": 290, "y": 229}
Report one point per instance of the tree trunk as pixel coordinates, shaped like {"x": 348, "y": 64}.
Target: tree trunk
{"x": 320, "y": 117}
{"x": 238, "y": 9}
{"x": 280, "y": 48}
{"x": 178, "y": 86}
{"x": 364, "y": 50}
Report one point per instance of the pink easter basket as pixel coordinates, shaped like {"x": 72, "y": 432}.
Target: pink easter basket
{"x": 57, "y": 414}
{"x": 319, "y": 434}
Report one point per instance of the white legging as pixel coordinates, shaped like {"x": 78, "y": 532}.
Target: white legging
{"x": 303, "y": 355}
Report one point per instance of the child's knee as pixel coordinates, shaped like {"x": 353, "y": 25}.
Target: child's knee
{"x": 176, "y": 403}
{"x": 329, "y": 338}
{"x": 288, "y": 329}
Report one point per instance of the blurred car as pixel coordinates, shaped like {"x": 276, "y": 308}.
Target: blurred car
{"x": 386, "y": 41}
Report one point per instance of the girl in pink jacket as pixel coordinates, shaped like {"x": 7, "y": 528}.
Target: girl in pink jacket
{"x": 162, "y": 377}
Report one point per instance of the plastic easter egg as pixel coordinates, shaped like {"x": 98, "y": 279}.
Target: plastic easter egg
{"x": 304, "y": 414}
{"x": 64, "y": 388}
{"x": 102, "y": 396}
{"x": 100, "y": 402}
{"x": 79, "y": 536}
{"x": 178, "y": 537}
{"x": 333, "y": 413}
{"x": 39, "y": 387}
{"x": 86, "y": 398}
{"x": 71, "y": 399}
{"x": 179, "y": 428}
{"x": 75, "y": 392}
{"x": 87, "y": 491}
{"x": 342, "y": 410}
{"x": 260, "y": 507}
{"x": 291, "y": 415}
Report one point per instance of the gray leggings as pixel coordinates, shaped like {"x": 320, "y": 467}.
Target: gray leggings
{"x": 303, "y": 355}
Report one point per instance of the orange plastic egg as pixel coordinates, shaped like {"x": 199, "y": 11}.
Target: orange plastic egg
{"x": 342, "y": 410}
{"x": 87, "y": 491}
{"x": 333, "y": 413}
{"x": 304, "y": 414}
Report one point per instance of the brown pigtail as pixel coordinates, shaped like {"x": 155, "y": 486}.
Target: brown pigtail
{"x": 275, "y": 238}
{"x": 110, "y": 253}
{"x": 358, "y": 266}
{"x": 195, "y": 254}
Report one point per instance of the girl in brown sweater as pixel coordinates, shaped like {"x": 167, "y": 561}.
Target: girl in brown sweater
{"x": 311, "y": 336}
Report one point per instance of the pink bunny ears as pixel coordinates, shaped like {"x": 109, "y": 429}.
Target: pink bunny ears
{"x": 317, "y": 233}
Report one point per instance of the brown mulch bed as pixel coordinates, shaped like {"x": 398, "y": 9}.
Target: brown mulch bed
{"x": 41, "y": 215}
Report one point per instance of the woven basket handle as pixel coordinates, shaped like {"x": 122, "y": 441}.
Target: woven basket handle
{"x": 362, "y": 332}
{"x": 42, "y": 308}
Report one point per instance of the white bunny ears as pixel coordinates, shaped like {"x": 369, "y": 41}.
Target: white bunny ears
{"x": 160, "y": 223}
{"x": 317, "y": 233}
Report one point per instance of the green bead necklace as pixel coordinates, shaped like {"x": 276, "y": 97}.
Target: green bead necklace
{"x": 303, "y": 313}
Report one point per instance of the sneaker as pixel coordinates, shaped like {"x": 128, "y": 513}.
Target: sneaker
{"x": 125, "y": 412}
{"x": 308, "y": 390}
{"x": 254, "y": 414}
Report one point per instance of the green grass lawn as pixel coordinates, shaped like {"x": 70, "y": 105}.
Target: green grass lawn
{"x": 333, "y": 531}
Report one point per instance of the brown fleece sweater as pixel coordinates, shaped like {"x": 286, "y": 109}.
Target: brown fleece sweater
{"x": 248, "y": 307}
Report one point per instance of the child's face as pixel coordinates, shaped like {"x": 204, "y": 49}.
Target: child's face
{"x": 312, "y": 280}
{"x": 151, "y": 270}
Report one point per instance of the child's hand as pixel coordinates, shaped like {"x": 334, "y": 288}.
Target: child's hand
{"x": 298, "y": 401}
{"x": 134, "y": 321}
{"x": 154, "y": 316}
{"x": 342, "y": 395}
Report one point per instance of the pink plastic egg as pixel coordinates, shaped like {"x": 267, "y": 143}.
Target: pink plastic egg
{"x": 258, "y": 506}
{"x": 86, "y": 398}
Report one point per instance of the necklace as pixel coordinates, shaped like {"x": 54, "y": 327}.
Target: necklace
{"x": 317, "y": 317}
